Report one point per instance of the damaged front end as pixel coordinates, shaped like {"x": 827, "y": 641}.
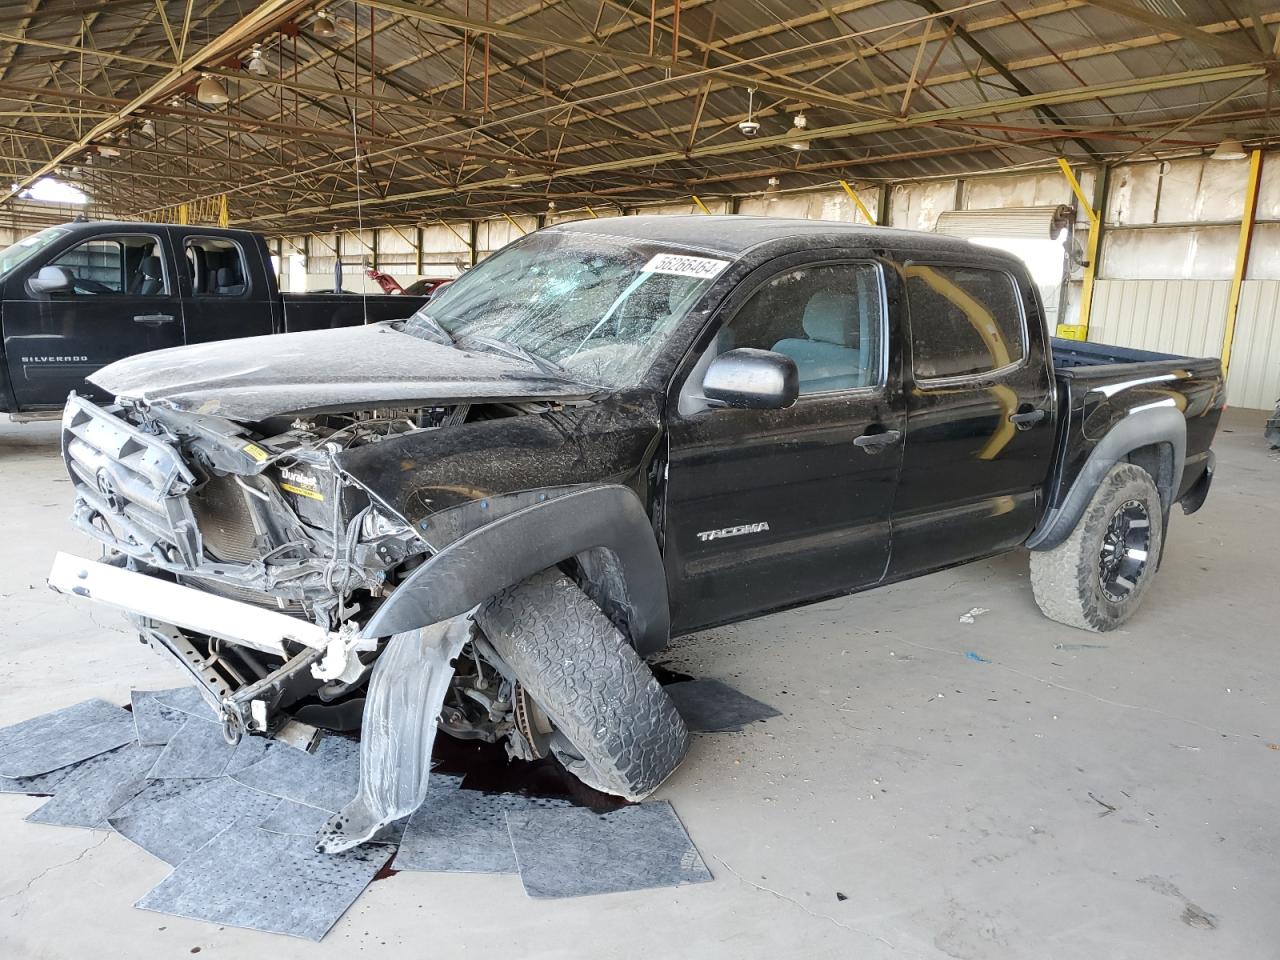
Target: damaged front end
{"x": 253, "y": 560}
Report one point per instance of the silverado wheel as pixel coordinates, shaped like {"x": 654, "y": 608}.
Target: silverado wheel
{"x": 1096, "y": 578}
{"x": 611, "y": 724}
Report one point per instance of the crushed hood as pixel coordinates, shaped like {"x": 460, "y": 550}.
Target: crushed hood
{"x": 258, "y": 377}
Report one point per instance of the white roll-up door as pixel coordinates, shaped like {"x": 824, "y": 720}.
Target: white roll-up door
{"x": 1039, "y": 223}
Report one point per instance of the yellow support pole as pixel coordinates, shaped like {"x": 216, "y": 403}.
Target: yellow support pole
{"x": 1080, "y": 330}
{"x": 184, "y": 214}
{"x": 701, "y": 206}
{"x": 1247, "y": 218}
{"x": 224, "y": 213}
{"x": 857, "y": 202}
{"x": 592, "y": 212}
{"x": 522, "y": 230}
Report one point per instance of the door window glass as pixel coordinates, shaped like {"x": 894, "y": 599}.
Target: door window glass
{"x": 216, "y": 267}
{"x": 115, "y": 265}
{"x": 964, "y": 320}
{"x": 827, "y": 318}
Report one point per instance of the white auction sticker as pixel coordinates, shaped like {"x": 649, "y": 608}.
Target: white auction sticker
{"x": 669, "y": 263}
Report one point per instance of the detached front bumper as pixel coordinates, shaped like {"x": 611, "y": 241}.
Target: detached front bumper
{"x": 165, "y": 611}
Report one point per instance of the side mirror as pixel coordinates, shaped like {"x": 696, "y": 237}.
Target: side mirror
{"x": 752, "y": 379}
{"x": 52, "y": 280}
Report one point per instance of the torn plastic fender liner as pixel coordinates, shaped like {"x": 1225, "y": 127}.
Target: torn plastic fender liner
{"x": 511, "y": 548}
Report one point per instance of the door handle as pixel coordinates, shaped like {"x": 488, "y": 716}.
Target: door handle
{"x": 875, "y": 442}
{"x": 153, "y": 319}
{"x": 1027, "y": 419}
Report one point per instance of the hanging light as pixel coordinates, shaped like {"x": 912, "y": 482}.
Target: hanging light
{"x": 323, "y": 25}
{"x": 1229, "y": 150}
{"x": 771, "y": 190}
{"x": 148, "y": 128}
{"x": 799, "y": 124}
{"x": 211, "y": 91}
{"x": 257, "y": 66}
{"x": 551, "y": 206}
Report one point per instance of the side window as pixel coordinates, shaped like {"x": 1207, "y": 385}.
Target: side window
{"x": 964, "y": 321}
{"x": 827, "y": 318}
{"x": 116, "y": 265}
{"x": 215, "y": 267}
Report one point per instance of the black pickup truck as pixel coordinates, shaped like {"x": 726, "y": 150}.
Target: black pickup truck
{"x": 76, "y": 297}
{"x": 605, "y": 435}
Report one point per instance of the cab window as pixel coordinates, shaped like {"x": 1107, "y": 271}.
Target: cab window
{"x": 965, "y": 321}
{"x": 106, "y": 266}
{"x": 216, "y": 267}
{"x": 828, "y": 318}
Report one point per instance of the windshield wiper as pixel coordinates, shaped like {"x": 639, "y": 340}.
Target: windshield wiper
{"x": 428, "y": 328}
{"x": 494, "y": 345}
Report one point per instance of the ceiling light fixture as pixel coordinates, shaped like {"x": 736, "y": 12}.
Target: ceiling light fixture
{"x": 148, "y": 128}
{"x": 1229, "y": 150}
{"x": 771, "y": 190}
{"x": 799, "y": 124}
{"x": 211, "y": 91}
{"x": 323, "y": 25}
{"x": 750, "y": 126}
{"x": 257, "y": 66}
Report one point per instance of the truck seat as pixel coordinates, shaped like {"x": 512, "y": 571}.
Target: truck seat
{"x": 227, "y": 283}
{"x": 148, "y": 279}
{"x": 828, "y": 357}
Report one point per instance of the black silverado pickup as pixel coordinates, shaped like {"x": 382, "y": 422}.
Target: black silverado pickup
{"x": 607, "y": 434}
{"x": 76, "y": 297}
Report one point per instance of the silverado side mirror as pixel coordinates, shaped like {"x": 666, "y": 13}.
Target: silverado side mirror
{"x": 752, "y": 379}
{"x": 52, "y": 280}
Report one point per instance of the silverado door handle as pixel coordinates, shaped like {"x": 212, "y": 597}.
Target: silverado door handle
{"x": 153, "y": 319}
{"x": 1024, "y": 421}
{"x": 875, "y": 442}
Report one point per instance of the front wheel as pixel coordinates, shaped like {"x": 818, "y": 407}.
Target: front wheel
{"x": 1096, "y": 578}
{"x": 584, "y": 694}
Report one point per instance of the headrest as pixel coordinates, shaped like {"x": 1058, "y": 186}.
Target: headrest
{"x": 226, "y": 277}
{"x": 829, "y": 318}
{"x": 150, "y": 268}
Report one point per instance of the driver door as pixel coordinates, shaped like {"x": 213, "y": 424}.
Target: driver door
{"x": 123, "y": 301}
{"x": 767, "y": 509}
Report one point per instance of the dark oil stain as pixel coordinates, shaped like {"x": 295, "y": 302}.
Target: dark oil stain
{"x": 668, "y": 675}
{"x": 486, "y": 766}
{"x": 387, "y": 871}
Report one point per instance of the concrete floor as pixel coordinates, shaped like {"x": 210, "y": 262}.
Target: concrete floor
{"x": 1076, "y": 796}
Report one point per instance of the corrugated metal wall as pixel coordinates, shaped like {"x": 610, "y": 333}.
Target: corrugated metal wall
{"x": 1253, "y": 379}
{"x": 1171, "y": 316}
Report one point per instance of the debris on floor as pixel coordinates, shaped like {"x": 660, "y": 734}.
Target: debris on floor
{"x": 711, "y": 706}
{"x": 973, "y": 614}
{"x": 238, "y": 824}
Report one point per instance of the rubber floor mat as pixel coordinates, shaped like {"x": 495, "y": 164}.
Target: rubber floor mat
{"x": 465, "y": 831}
{"x": 573, "y": 852}
{"x": 711, "y": 706}
{"x": 172, "y": 819}
{"x": 249, "y": 877}
{"x": 97, "y": 787}
{"x": 63, "y": 737}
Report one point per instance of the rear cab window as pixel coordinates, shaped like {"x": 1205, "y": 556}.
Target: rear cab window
{"x": 216, "y": 267}
{"x": 965, "y": 321}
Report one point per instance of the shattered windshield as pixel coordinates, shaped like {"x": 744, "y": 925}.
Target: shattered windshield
{"x": 28, "y": 247}
{"x": 597, "y": 308}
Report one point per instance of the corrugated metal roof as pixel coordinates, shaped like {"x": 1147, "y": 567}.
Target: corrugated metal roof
{"x": 468, "y": 106}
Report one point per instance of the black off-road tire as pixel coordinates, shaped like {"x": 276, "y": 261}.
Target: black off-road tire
{"x": 582, "y": 672}
{"x": 1066, "y": 580}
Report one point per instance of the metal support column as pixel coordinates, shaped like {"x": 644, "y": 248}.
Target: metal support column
{"x": 1094, "y": 210}
{"x": 1247, "y": 219}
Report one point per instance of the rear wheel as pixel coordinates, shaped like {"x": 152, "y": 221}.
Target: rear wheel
{"x": 1096, "y": 578}
{"x": 584, "y": 695}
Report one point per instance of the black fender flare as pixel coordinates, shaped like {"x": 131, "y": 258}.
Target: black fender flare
{"x": 490, "y": 558}
{"x": 1142, "y": 428}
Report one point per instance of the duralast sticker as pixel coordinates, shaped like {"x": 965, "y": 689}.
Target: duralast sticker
{"x": 675, "y": 265}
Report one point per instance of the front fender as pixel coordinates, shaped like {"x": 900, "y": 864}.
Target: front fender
{"x": 486, "y": 560}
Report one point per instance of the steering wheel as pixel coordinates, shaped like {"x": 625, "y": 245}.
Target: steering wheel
{"x": 85, "y": 285}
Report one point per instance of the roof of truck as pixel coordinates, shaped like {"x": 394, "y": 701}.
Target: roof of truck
{"x": 736, "y": 234}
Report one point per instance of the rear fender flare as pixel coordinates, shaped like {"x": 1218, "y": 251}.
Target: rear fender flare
{"x": 1143, "y": 428}
{"x": 477, "y": 565}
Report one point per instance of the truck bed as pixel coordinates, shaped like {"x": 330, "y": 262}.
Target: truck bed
{"x": 1076, "y": 353}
